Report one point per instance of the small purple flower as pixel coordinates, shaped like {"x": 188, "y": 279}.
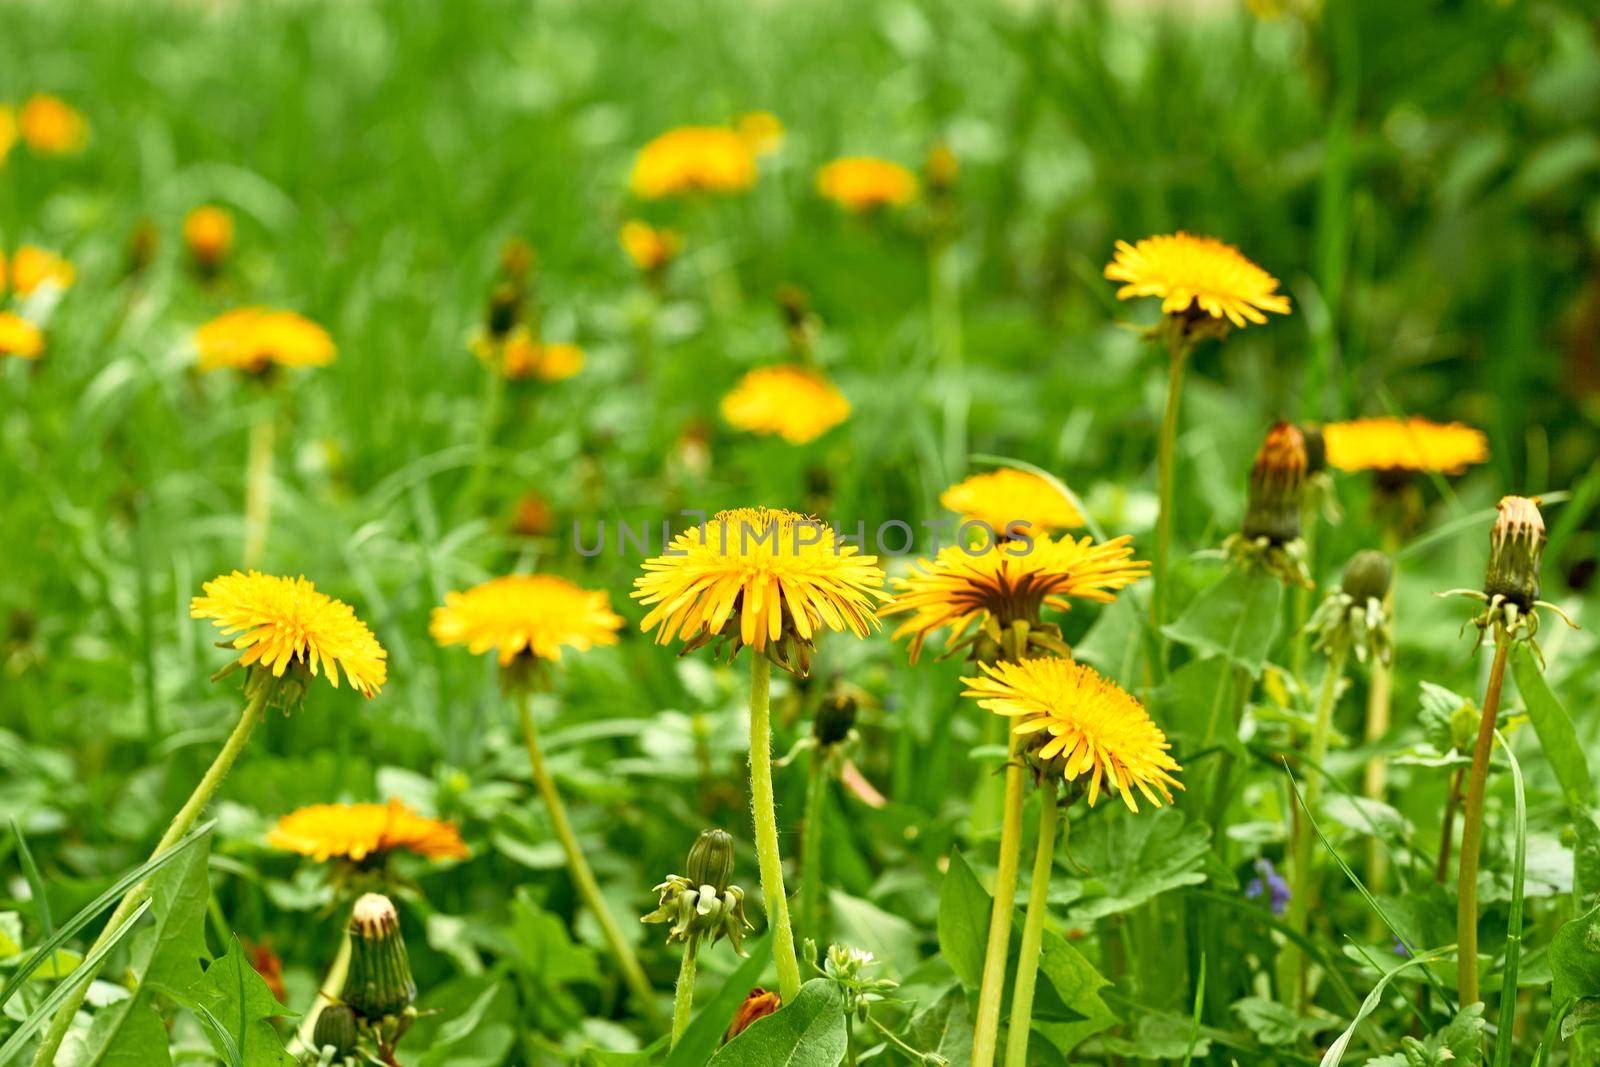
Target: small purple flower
{"x": 1400, "y": 947}
{"x": 1268, "y": 882}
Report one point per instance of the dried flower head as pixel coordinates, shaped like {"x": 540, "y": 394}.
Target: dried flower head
{"x": 1007, "y": 496}
{"x": 1516, "y": 544}
{"x": 863, "y": 183}
{"x": 1413, "y": 444}
{"x": 703, "y": 904}
{"x": 693, "y": 159}
{"x": 256, "y": 339}
{"x": 363, "y": 833}
{"x": 1196, "y": 274}
{"x": 758, "y": 1004}
{"x": 791, "y": 402}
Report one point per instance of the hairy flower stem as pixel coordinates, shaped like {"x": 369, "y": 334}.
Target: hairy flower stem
{"x": 1033, "y": 929}
{"x": 986, "y": 1031}
{"x": 683, "y": 999}
{"x": 1292, "y": 961}
{"x": 1472, "y": 826}
{"x": 1178, "y": 352}
{"x": 582, "y": 877}
{"x": 812, "y": 891}
{"x": 258, "y": 484}
{"x": 763, "y": 810}
{"x": 181, "y": 824}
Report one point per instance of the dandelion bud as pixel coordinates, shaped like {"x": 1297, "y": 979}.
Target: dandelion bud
{"x": 208, "y": 237}
{"x": 836, "y": 718}
{"x": 379, "y": 981}
{"x": 1367, "y": 576}
{"x": 1515, "y": 546}
{"x": 505, "y": 309}
{"x": 1276, "y": 482}
{"x": 336, "y": 1027}
{"x": 711, "y": 859}
{"x": 941, "y": 168}
{"x": 758, "y": 1005}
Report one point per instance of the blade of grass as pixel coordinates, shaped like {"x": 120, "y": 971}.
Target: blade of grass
{"x": 30, "y": 871}
{"x": 1194, "y": 1021}
{"x": 1336, "y": 1051}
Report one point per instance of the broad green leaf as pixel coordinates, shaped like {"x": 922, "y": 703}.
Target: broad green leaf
{"x": 1575, "y": 958}
{"x": 472, "y": 1037}
{"x": 543, "y": 947}
{"x": 1115, "y": 644}
{"x": 242, "y": 1003}
{"x": 890, "y": 938}
{"x": 1585, "y": 1013}
{"x": 712, "y": 1020}
{"x": 1586, "y": 859}
{"x": 944, "y": 1028}
{"x": 1194, "y": 703}
{"x": 1130, "y": 859}
{"x": 808, "y": 1032}
{"x": 1158, "y": 1035}
{"x": 1067, "y": 1008}
{"x": 963, "y": 921}
{"x": 1235, "y": 618}
{"x": 1274, "y": 1024}
{"x": 1557, "y": 735}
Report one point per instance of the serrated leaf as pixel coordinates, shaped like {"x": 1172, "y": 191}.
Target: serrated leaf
{"x": 1575, "y": 958}
{"x": 245, "y": 1007}
{"x": 808, "y": 1032}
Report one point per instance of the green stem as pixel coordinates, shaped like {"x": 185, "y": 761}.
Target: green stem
{"x": 582, "y": 877}
{"x": 986, "y": 1031}
{"x": 1292, "y": 962}
{"x": 683, "y": 999}
{"x": 258, "y": 484}
{"x": 181, "y": 824}
{"x": 1165, "y": 457}
{"x": 1472, "y": 826}
{"x": 946, "y": 320}
{"x": 763, "y": 809}
{"x": 1033, "y": 929}
{"x": 812, "y": 891}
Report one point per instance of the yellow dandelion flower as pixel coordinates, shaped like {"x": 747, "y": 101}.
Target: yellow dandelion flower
{"x": 862, "y": 183}
{"x": 254, "y": 338}
{"x": 358, "y": 832}
{"x": 792, "y": 402}
{"x": 1196, "y": 272}
{"x": 1008, "y": 582}
{"x": 8, "y": 131}
{"x": 208, "y": 235}
{"x": 19, "y": 337}
{"x": 761, "y": 130}
{"x": 1083, "y": 724}
{"x": 285, "y": 622}
{"x": 51, "y": 126}
{"x": 651, "y": 249}
{"x": 532, "y": 614}
{"x": 1413, "y": 444}
{"x": 33, "y": 268}
{"x": 521, "y": 356}
{"x": 693, "y": 159}
{"x": 780, "y": 576}
{"x": 1002, "y": 497}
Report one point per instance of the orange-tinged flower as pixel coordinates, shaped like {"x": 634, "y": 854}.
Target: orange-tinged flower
{"x": 526, "y": 614}
{"x": 19, "y": 337}
{"x": 1196, "y": 273}
{"x": 253, "y": 339}
{"x": 265, "y": 962}
{"x": 33, "y": 267}
{"x": 758, "y": 1004}
{"x": 1413, "y": 444}
{"x": 52, "y": 127}
{"x": 285, "y": 622}
{"x": 522, "y": 357}
{"x": 693, "y": 159}
{"x": 1002, "y": 497}
{"x": 8, "y": 131}
{"x": 1079, "y": 724}
{"x": 208, "y": 235}
{"x": 862, "y": 183}
{"x": 791, "y": 402}
{"x": 651, "y": 249}
{"x": 761, "y": 130}
{"x": 358, "y": 832}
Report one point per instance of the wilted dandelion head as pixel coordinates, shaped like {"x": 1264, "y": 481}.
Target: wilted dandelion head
{"x": 525, "y": 615}
{"x": 52, "y": 127}
{"x": 33, "y": 268}
{"x": 365, "y": 832}
{"x": 693, "y": 159}
{"x": 1079, "y": 725}
{"x": 1009, "y": 582}
{"x": 863, "y": 183}
{"x": 777, "y": 576}
{"x": 256, "y": 339}
{"x": 1277, "y": 479}
{"x": 208, "y": 235}
{"x": 284, "y": 624}
{"x": 650, "y": 248}
{"x": 1002, "y": 497}
{"x": 761, "y": 130}
{"x": 19, "y": 337}
{"x": 1192, "y": 274}
{"x": 1411, "y": 444}
{"x": 791, "y": 402}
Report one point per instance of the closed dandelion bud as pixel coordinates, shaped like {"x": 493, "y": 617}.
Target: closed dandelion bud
{"x": 835, "y": 719}
{"x": 1276, "y": 482}
{"x": 758, "y": 1005}
{"x": 1515, "y": 546}
{"x": 336, "y": 1027}
{"x": 711, "y": 859}
{"x": 1367, "y": 576}
{"x": 379, "y": 981}
{"x": 505, "y": 309}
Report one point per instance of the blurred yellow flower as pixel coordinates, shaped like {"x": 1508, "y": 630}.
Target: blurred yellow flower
{"x": 780, "y": 576}
{"x": 532, "y": 614}
{"x": 1005, "y": 496}
{"x": 862, "y": 183}
{"x": 1196, "y": 273}
{"x": 942, "y": 167}
{"x": 520, "y": 356}
{"x": 1079, "y": 724}
{"x": 1412, "y": 444}
{"x": 761, "y": 130}
{"x": 792, "y": 402}
{"x": 32, "y": 267}
{"x": 52, "y": 127}
{"x": 693, "y": 159}
{"x": 208, "y": 235}
{"x": 651, "y": 249}
{"x": 358, "y": 832}
{"x": 254, "y": 338}
{"x": 19, "y": 337}
{"x": 285, "y": 622}
{"x": 8, "y": 131}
